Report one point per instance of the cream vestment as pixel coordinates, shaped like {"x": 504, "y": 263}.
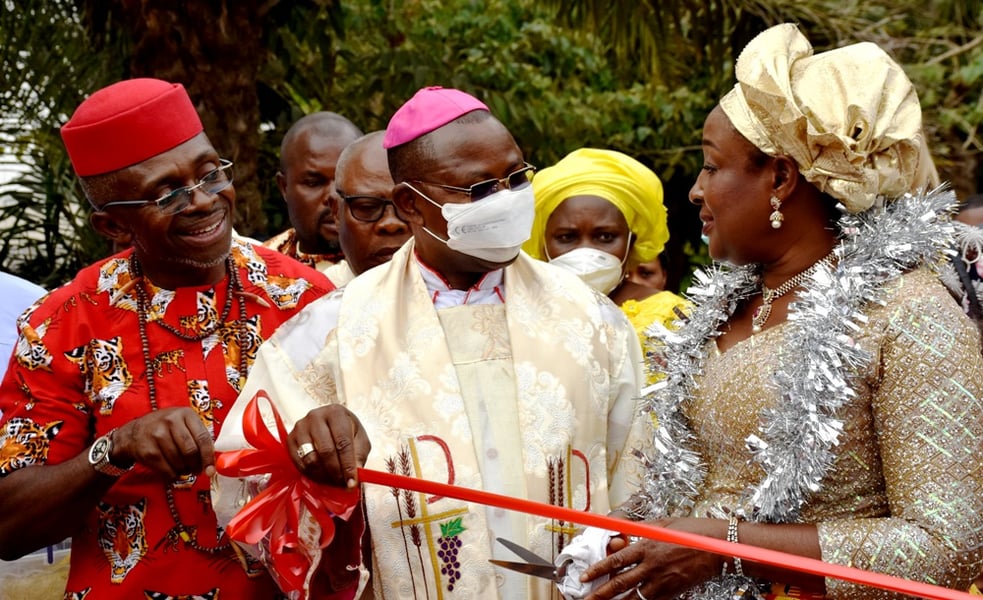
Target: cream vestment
{"x": 339, "y": 273}
{"x": 535, "y": 398}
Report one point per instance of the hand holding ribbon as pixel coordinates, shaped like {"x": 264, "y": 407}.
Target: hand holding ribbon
{"x": 276, "y": 512}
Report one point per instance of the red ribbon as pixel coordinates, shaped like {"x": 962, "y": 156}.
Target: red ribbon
{"x": 275, "y": 512}
{"x": 681, "y": 538}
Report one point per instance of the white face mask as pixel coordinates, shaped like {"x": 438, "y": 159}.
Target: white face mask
{"x": 493, "y": 228}
{"x": 596, "y": 268}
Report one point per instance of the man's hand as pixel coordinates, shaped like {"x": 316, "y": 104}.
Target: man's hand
{"x": 328, "y": 445}
{"x": 171, "y": 441}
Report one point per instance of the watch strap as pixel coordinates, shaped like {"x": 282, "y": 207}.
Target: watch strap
{"x": 102, "y": 464}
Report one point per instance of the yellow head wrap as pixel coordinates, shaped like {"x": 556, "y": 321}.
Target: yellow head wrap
{"x": 849, "y": 117}
{"x": 628, "y": 184}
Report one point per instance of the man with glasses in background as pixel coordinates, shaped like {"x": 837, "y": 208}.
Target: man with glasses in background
{"x": 123, "y": 377}
{"x": 466, "y": 362}
{"x": 369, "y": 229}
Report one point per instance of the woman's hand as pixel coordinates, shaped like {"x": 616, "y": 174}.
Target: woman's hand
{"x": 658, "y": 570}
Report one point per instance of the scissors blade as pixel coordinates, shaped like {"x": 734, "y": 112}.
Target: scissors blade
{"x": 544, "y": 571}
{"x": 525, "y": 554}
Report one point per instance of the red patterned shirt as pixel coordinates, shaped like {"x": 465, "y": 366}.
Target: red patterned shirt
{"x": 79, "y": 370}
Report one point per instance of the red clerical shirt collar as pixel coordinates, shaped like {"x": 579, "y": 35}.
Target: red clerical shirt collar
{"x": 490, "y": 289}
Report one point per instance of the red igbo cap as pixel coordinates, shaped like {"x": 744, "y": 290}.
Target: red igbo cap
{"x": 428, "y": 109}
{"x": 128, "y": 122}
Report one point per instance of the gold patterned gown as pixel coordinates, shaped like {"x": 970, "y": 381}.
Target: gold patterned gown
{"x": 904, "y": 494}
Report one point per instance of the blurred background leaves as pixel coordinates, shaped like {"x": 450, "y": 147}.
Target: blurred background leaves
{"x": 638, "y": 76}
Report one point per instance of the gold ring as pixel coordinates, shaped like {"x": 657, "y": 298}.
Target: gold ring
{"x": 304, "y": 449}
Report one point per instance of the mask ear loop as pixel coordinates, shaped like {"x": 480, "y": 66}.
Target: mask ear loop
{"x": 624, "y": 261}
{"x": 428, "y": 199}
{"x": 627, "y": 249}
{"x": 421, "y": 194}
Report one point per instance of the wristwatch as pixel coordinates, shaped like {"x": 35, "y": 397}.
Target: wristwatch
{"x": 99, "y": 456}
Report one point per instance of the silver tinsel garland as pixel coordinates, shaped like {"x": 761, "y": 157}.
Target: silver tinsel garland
{"x": 796, "y": 436}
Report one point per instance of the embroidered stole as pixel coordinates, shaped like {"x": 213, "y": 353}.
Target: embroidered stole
{"x": 524, "y": 413}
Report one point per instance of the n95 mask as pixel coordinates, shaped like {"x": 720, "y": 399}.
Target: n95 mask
{"x": 493, "y": 228}
{"x": 596, "y": 268}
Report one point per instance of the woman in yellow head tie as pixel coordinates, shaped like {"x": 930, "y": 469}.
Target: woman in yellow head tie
{"x": 599, "y": 214}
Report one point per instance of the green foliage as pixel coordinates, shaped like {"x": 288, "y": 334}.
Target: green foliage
{"x": 556, "y": 89}
{"x": 693, "y": 45}
{"x": 941, "y": 48}
{"x": 635, "y": 76}
{"x": 44, "y": 66}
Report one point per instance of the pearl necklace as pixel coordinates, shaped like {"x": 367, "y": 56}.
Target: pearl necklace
{"x": 768, "y": 295}
{"x": 189, "y": 534}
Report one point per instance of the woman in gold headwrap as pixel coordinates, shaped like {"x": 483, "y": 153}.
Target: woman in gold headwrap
{"x": 823, "y": 398}
{"x": 599, "y": 214}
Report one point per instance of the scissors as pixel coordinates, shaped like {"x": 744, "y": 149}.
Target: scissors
{"x": 536, "y": 565}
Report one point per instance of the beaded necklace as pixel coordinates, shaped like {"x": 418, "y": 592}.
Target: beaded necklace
{"x": 768, "y": 295}
{"x": 186, "y": 533}
{"x": 291, "y": 247}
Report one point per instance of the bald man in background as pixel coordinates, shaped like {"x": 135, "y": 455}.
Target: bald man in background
{"x": 308, "y": 158}
{"x": 369, "y": 229}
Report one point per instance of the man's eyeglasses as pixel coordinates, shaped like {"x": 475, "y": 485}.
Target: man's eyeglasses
{"x": 516, "y": 180}
{"x": 367, "y": 209}
{"x": 175, "y": 201}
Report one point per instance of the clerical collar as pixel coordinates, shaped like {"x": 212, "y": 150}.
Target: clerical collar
{"x": 490, "y": 289}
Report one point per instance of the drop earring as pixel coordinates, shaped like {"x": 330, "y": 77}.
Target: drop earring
{"x": 776, "y": 216}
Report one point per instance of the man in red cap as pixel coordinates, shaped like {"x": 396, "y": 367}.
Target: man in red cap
{"x": 309, "y": 156}
{"x": 468, "y": 363}
{"x": 121, "y": 378}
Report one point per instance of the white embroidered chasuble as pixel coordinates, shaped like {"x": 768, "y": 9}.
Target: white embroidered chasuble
{"x": 536, "y": 398}
{"x": 339, "y": 273}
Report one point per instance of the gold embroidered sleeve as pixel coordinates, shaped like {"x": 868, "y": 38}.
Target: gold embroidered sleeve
{"x": 925, "y": 401}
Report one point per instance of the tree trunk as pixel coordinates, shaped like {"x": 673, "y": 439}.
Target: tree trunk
{"x": 215, "y": 49}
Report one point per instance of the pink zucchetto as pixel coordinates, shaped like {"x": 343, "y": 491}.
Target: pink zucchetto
{"x": 428, "y": 109}
{"x": 127, "y": 123}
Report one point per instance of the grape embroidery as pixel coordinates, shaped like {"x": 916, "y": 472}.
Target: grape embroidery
{"x": 450, "y": 543}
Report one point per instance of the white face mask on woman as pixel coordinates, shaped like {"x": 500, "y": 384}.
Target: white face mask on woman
{"x": 596, "y": 268}
{"x": 493, "y": 228}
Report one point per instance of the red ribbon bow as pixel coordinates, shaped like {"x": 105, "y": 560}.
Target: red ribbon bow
{"x": 276, "y": 510}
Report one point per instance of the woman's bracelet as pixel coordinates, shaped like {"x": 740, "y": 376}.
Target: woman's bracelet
{"x": 732, "y": 537}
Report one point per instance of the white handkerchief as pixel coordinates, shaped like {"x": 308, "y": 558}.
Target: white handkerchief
{"x": 583, "y": 551}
